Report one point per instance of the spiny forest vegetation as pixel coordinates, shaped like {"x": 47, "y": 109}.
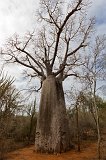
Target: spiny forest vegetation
{"x": 63, "y": 48}
{"x": 18, "y": 120}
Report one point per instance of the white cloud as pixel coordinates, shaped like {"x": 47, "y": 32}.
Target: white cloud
{"x": 19, "y": 16}
{"x": 98, "y": 9}
{"x": 16, "y": 16}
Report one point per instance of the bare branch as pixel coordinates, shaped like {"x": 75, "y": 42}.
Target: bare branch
{"x": 77, "y": 49}
{"x": 76, "y": 8}
{"x": 29, "y": 66}
{"x": 28, "y": 40}
{"x": 29, "y": 55}
{"x": 68, "y": 75}
{"x": 62, "y": 66}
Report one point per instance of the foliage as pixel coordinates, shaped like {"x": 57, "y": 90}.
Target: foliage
{"x": 14, "y": 127}
{"x": 87, "y": 123}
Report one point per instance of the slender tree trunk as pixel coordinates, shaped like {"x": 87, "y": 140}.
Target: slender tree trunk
{"x": 97, "y": 121}
{"x": 52, "y": 132}
{"x": 30, "y": 129}
{"x": 78, "y": 131}
{"x": 31, "y": 120}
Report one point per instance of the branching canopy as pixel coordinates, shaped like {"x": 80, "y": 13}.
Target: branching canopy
{"x": 63, "y": 32}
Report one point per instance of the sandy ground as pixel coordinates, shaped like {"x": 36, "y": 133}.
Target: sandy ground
{"x": 87, "y": 153}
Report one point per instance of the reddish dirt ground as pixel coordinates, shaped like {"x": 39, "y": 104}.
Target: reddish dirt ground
{"x": 87, "y": 153}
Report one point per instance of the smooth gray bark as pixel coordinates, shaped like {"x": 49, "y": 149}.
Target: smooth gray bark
{"x": 52, "y": 132}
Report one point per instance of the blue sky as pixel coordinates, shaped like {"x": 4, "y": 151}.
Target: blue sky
{"x": 98, "y": 9}
{"x": 18, "y": 16}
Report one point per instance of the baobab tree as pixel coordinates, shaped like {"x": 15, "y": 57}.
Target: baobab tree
{"x": 52, "y": 55}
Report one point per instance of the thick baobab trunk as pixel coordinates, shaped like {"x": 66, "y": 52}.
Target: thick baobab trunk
{"x": 52, "y": 132}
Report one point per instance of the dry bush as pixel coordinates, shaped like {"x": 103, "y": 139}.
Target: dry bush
{"x": 22, "y": 129}
{"x": 14, "y": 130}
{"x": 87, "y": 126}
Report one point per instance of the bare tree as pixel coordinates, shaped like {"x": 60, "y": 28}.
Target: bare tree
{"x": 52, "y": 56}
{"x": 31, "y": 112}
{"x": 95, "y": 71}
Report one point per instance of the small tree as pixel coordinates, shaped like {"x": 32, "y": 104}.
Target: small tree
{"x": 32, "y": 115}
{"x": 95, "y": 71}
